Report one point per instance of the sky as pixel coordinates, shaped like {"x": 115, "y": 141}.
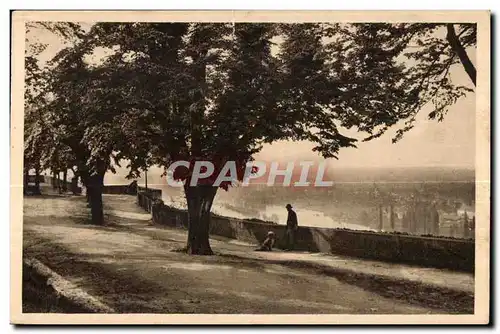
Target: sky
{"x": 430, "y": 143}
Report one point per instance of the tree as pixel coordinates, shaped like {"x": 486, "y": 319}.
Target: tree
{"x": 81, "y": 116}
{"x": 401, "y": 68}
{"x": 218, "y": 92}
{"x": 36, "y": 136}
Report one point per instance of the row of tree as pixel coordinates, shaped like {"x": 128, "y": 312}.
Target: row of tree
{"x": 218, "y": 91}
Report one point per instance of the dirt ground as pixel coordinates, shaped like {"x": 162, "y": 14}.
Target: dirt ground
{"x": 134, "y": 267}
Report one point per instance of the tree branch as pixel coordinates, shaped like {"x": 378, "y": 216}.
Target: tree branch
{"x": 458, "y": 48}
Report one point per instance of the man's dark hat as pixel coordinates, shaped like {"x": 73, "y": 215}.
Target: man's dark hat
{"x": 289, "y": 205}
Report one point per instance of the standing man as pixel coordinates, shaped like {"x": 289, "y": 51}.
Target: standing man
{"x": 291, "y": 227}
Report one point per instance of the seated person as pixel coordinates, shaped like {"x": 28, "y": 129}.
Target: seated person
{"x": 268, "y": 244}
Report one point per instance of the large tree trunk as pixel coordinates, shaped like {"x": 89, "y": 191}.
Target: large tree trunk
{"x": 199, "y": 200}
{"x": 94, "y": 189}
{"x": 459, "y": 49}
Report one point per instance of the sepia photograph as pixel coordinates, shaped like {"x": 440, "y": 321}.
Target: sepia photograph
{"x": 233, "y": 167}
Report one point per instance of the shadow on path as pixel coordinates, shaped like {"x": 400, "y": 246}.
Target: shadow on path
{"x": 408, "y": 291}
